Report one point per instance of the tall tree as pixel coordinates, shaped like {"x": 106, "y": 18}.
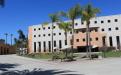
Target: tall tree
{"x": 6, "y": 37}
{"x": 54, "y": 18}
{"x": 2, "y": 2}
{"x": 66, "y": 27}
{"x": 72, "y": 14}
{"x": 88, "y": 13}
{"x": 11, "y": 39}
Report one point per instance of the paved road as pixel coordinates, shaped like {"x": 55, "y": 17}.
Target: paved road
{"x": 15, "y": 64}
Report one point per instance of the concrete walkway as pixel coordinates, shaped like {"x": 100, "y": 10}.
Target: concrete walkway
{"x": 21, "y": 65}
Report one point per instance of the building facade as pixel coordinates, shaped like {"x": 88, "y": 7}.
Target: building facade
{"x": 105, "y": 31}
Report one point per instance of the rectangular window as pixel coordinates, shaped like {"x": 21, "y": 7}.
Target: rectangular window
{"x": 118, "y": 42}
{"x": 44, "y": 44}
{"x": 60, "y": 44}
{"x": 110, "y": 41}
{"x": 116, "y": 20}
{"x": 39, "y": 43}
{"x": 49, "y": 44}
{"x": 54, "y": 43}
{"x": 34, "y": 46}
{"x": 65, "y": 42}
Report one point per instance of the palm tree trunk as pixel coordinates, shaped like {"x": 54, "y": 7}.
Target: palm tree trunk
{"x": 88, "y": 43}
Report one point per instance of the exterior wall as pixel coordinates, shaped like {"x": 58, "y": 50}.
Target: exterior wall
{"x": 95, "y": 22}
{"x": 30, "y": 40}
{"x": 93, "y": 35}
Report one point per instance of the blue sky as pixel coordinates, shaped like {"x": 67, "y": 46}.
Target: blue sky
{"x": 19, "y": 14}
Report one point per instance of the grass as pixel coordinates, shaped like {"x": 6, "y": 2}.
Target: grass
{"x": 112, "y": 54}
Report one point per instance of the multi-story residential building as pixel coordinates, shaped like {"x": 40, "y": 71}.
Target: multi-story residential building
{"x": 104, "y": 31}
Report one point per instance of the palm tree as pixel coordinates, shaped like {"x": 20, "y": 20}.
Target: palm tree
{"x": 2, "y": 2}
{"x": 11, "y": 39}
{"x": 88, "y": 13}
{"x": 66, "y": 27}
{"x": 72, "y": 14}
{"x": 6, "y": 35}
{"x": 54, "y": 18}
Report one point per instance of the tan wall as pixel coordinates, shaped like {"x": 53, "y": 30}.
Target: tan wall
{"x": 93, "y": 35}
{"x": 30, "y": 40}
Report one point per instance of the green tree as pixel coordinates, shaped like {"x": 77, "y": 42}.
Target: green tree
{"x": 88, "y": 13}
{"x": 2, "y": 2}
{"x": 53, "y": 18}
{"x": 72, "y": 14}
{"x": 66, "y": 27}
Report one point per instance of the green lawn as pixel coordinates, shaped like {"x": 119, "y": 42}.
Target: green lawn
{"x": 112, "y": 54}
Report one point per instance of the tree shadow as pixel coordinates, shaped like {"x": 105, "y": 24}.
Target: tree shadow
{"x": 6, "y": 66}
{"x": 39, "y": 72}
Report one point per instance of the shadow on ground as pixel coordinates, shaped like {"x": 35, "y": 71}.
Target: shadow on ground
{"x": 6, "y": 66}
{"x": 39, "y": 72}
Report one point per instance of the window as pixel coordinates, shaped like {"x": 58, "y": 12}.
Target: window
{"x": 95, "y": 22}
{"x": 103, "y": 30}
{"x": 118, "y": 42}
{"x": 109, "y": 21}
{"x": 34, "y": 35}
{"x": 70, "y": 32}
{"x": 109, "y": 29}
{"x": 60, "y": 44}
{"x": 90, "y": 39}
{"x": 77, "y": 40}
{"x": 44, "y": 44}
{"x": 116, "y": 20}
{"x": 65, "y": 42}
{"x": 83, "y": 31}
{"x": 39, "y": 35}
{"x": 110, "y": 41}
{"x": 82, "y": 23}
{"x": 53, "y": 27}
{"x": 54, "y": 34}
{"x": 96, "y": 38}
{"x": 48, "y": 27}
{"x": 38, "y": 28}
{"x": 44, "y": 35}
{"x": 43, "y": 28}
{"x": 102, "y": 21}
{"x": 96, "y": 30}
{"x": 34, "y": 46}
{"x": 48, "y": 34}
{"x": 83, "y": 39}
{"x": 59, "y": 33}
{"x": 117, "y": 28}
{"x": 49, "y": 44}
{"x": 76, "y": 24}
{"x": 39, "y": 43}
{"x": 34, "y": 29}
{"x": 77, "y": 31}
{"x": 54, "y": 43}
